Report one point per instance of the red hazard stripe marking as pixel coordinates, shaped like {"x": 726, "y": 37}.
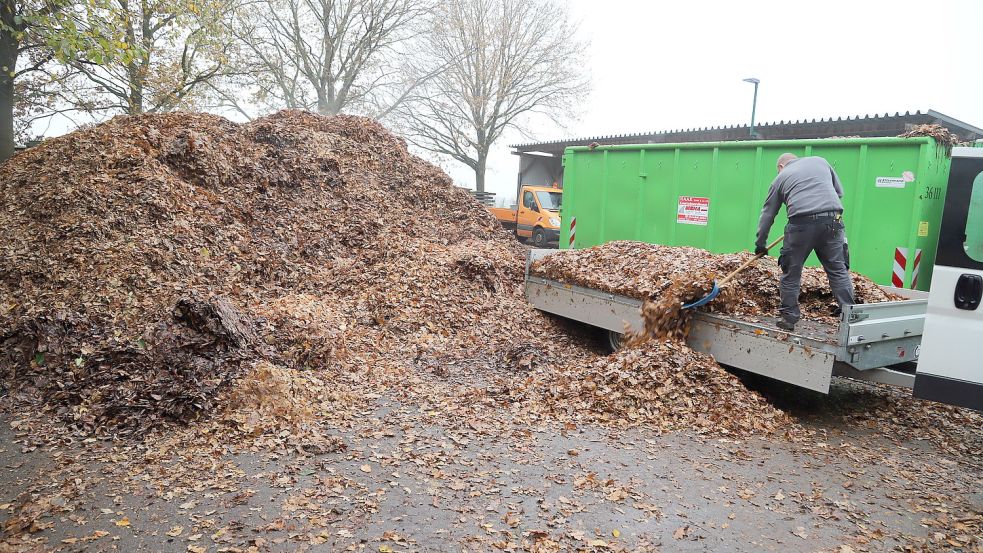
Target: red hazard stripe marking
{"x": 914, "y": 268}
{"x": 900, "y": 262}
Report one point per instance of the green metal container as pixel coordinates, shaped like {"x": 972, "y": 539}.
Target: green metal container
{"x": 709, "y": 195}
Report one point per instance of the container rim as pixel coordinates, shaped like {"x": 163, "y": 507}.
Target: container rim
{"x": 881, "y": 140}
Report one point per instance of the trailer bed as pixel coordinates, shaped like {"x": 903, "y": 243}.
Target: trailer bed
{"x": 867, "y": 341}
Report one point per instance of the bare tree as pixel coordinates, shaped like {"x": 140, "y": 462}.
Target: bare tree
{"x": 328, "y": 55}
{"x": 506, "y": 61}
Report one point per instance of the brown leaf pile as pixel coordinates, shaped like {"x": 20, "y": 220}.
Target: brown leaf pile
{"x": 664, "y": 384}
{"x": 670, "y": 276}
{"x": 945, "y": 138}
{"x": 281, "y": 402}
{"x": 663, "y": 316}
{"x": 662, "y": 381}
{"x": 303, "y": 240}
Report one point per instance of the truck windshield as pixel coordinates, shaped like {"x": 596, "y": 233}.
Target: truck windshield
{"x": 549, "y": 200}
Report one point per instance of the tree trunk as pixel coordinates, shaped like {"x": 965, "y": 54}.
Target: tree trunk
{"x": 136, "y": 70}
{"x": 6, "y": 115}
{"x": 8, "y": 64}
{"x": 479, "y": 173}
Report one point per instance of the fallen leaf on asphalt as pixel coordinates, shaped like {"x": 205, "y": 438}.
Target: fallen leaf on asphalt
{"x": 617, "y": 495}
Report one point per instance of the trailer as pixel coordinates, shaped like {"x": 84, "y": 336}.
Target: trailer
{"x": 880, "y": 342}
{"x": 876, "y": 342}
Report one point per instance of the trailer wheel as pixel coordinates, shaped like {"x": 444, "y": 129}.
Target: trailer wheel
{"x": 538, "y": 237}
{"x": 615, "y": 340}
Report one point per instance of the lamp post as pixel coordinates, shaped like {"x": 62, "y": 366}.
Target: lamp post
{"x": 754, "y": 105}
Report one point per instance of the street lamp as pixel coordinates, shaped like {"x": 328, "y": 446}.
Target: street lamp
{"x": 754, "y": 105}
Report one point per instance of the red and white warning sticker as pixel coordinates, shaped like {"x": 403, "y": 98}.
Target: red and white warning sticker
{"x": 693, "y": 210}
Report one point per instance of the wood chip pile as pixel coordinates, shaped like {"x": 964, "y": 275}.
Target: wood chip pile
{"x": 152, "y": 260}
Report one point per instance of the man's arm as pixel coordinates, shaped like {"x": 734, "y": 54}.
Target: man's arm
{"x": 772, "y": 204}
{"x": 836, "y": 182}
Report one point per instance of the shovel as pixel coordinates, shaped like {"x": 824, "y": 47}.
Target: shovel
{"x": 716, "y": 285}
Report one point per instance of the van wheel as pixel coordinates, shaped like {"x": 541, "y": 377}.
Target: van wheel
{"x": 538, "y": 237}
{"x": 615, "y": 340}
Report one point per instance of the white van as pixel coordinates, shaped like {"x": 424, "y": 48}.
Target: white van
{"x": 950, "y": 364}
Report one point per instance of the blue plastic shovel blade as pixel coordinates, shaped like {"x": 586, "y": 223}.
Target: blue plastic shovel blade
{"x": 706, "y": 299}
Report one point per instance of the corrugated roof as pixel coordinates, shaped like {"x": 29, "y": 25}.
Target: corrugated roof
{"x": 626, "y": 138}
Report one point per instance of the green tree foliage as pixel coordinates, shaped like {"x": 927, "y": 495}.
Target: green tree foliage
{"x": 182, "y": 45}
{"x": 36, "y": 33}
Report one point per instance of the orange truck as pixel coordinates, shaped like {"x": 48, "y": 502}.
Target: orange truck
{"x": 537, "y": 216}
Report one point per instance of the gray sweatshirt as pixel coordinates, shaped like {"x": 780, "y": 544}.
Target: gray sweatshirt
{"x": 806, "y": 185}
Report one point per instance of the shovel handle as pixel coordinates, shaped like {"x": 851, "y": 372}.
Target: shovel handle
{"x": 749, "y": 262}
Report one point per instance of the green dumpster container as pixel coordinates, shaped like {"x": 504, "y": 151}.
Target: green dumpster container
{"x": 709, "y": 195}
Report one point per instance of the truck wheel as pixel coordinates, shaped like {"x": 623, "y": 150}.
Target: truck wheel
{"x": 538, "y": 237}
{"x": 615, "y": 339}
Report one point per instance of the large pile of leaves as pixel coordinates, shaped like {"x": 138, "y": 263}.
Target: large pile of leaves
{"x": 679, "y": 274}
{"x": 661, "y": 383}
{"x": 657, "y": 379}
{"x": 152, "y": 260}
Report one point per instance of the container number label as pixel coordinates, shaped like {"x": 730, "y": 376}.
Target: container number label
{"x": 889, "y": 182}
{"x": 693, "y": 210}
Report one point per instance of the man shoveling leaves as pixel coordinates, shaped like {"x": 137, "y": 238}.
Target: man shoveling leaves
{"x": 811, "y": 192}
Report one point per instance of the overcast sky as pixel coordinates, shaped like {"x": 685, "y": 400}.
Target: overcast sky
{"x": 668, "y": 65}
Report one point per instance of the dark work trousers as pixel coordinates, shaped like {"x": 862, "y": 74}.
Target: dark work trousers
{"x": 828, "y": 239}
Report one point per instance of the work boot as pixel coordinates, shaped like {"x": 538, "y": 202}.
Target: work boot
{"x": 786, "y": 326}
